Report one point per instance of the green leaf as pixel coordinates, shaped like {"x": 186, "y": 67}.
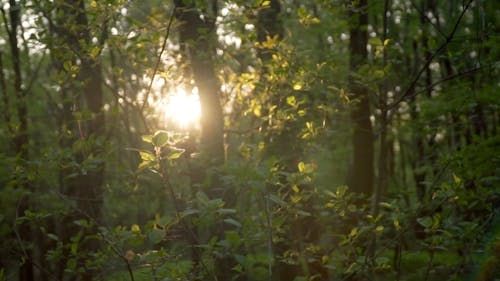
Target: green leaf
{"x": 155, "y": 235}
{"x": 147, "y": 138}
{"x": 175, "y": 154}
{"x": 291, "y": 101}
{"x": 94, "y": 53}
{"x": 53, "y": 236}
{"x": 386, "y": 205}
{"x": 233, "y": 222}
{"x": 160, "y": 138}
{"x": 225, "y": 211}
{"x": 67, "y": 65}
{"x": 425, "y": 221}
{"x": 146, "y": 156}
{"x": 277, "y": 200}
{"x": 189, "y": 212}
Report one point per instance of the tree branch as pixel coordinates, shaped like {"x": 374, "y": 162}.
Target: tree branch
{"x": 408, "y": 93}
{"x": 157, "y": 65}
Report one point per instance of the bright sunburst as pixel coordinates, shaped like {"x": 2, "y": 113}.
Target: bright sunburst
{"x": 183, "y": 109}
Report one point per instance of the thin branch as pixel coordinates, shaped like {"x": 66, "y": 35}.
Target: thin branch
{"x": 422, "y": 14}
{"x": 450, "y": 77}
{"x": 164, "y": 45}
{"x": 407, "y": 93}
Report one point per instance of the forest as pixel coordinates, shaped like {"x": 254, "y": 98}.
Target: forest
{"x": 249, "y": 140}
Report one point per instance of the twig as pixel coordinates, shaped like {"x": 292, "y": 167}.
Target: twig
{"x": 164, "y": 45}
{"x": 450, "y": 77}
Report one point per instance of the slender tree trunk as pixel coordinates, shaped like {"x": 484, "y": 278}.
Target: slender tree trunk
{"x": 384, "y": 126}
{"x": 383, "y": 164}
{"x": 26, "y": 270}
{"x": 362, "y": 168}
{"x": 418, "y": 142}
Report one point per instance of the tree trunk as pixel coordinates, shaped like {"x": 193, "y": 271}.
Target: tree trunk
{"x": 362, "y": 169}
{"x": 20, "y": 143}
{"x": 72, "y": 35}
{"x": 197, "y": 40}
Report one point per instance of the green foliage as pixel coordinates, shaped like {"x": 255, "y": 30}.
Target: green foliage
{"x": 279, "y": 207}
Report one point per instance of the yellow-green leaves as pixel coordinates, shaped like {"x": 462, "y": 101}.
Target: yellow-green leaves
{"x": 306, "y": 168}
{"x": 307, "y": 18}
{"x": 146, "y": 156}
{"x": 71, "y": 68}
{"x": 135, "y": 228}
{"x": 164, "y": 144}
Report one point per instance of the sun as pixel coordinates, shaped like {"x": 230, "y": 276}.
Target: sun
{"x": 183, "y": 109}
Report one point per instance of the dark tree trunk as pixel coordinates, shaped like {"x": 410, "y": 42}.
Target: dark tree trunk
{"x": 362, "y": 170}
{"x": 418, "y": 141}
{"x": 71, "y": 35}
{"x": 197, "y": 40}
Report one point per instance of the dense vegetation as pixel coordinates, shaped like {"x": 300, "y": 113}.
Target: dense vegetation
{"x": 338, "y": 140}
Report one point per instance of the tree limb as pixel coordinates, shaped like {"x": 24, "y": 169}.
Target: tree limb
{"x": 408, "y": 93}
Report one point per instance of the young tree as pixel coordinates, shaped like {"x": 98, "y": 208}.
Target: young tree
{"x": 362, "y": 170}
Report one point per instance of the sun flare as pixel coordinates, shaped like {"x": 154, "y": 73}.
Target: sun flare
{"x": 183, "y": 109}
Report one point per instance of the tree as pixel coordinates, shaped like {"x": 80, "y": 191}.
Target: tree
{"x": 361, "y": 174}
{"x": 197, "y": 41}
{"x": 75, "y": 55}
{"x": 20, "y": 140}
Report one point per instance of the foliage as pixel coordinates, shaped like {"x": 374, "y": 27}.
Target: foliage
{"x": 97, "y": 184}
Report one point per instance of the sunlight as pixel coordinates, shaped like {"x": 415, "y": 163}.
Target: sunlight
{"x": 183, "y": 109}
